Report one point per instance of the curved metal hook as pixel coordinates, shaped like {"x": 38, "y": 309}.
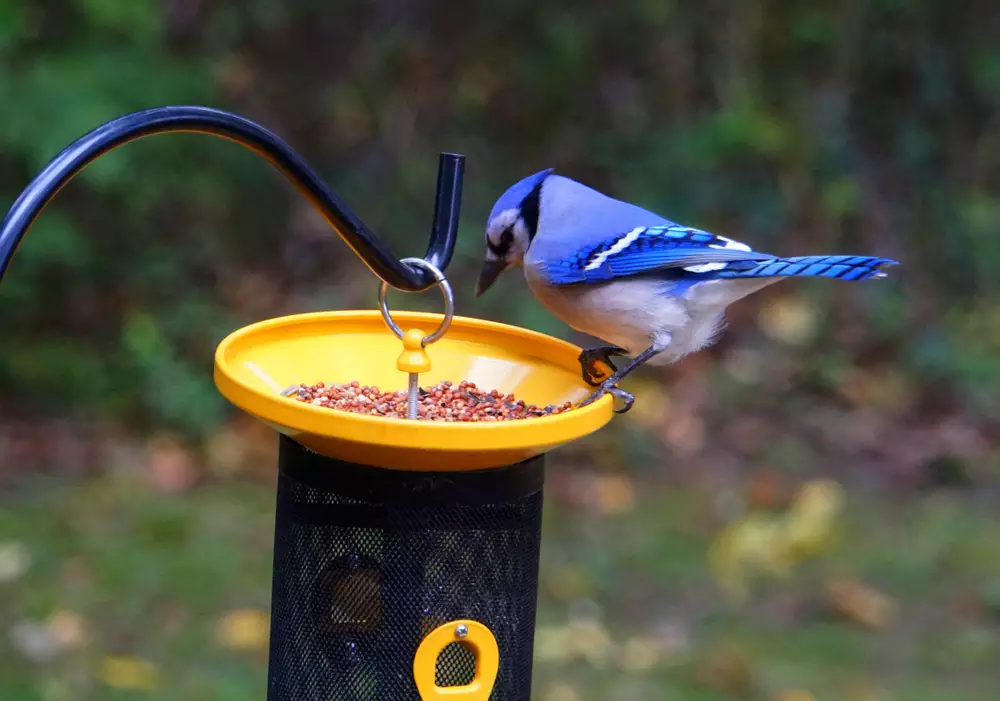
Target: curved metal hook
{"x": 205, "y": 120}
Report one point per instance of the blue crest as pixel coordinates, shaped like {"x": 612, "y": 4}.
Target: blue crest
{"x": 515, "y": 195}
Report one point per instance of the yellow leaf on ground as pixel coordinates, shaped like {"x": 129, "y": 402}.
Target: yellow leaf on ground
{"x": 126, "y": 672}
{"x": 640, "y": 654}
{"x": 812, "y": 516}
{"x": 761, "y": 543}
{"x": 590, "y": 641}
{"x": 751, "y": 545}
{"x": 583, "y": 640}
{"x": 552, "y": 643}
{"x": 243, "y": 630}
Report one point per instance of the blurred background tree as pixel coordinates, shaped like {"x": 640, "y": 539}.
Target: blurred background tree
{"x": 870, "y": 127}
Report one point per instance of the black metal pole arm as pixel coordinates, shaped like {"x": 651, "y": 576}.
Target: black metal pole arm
{"x": 204, "y": 120}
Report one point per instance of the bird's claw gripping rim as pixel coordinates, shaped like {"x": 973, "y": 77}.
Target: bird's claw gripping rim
{"x": 607, "y": 387}
{"x": 591, "y": 360}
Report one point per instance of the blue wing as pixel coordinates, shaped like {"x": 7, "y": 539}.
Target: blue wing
{"x": 649, "y": 249}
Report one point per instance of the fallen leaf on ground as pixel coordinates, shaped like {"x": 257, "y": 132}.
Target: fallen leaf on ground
{"x": 752, "y": 545}
{"x": 861, "y": 603}
{"x": 613, "y": 494}
{"x": 584, "y": 640}
{"x": 812, "y": 516}
{"x": 15, "y": 559}
{"x": 127, "y": 672}
{"x": 639, "y": 654}
{"x": 68, "y": 629}
{"x": 761, "y": 543}
{"x": 243, "y": 630}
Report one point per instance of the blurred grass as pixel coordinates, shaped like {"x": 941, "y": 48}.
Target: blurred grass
{"x": 123, "y": 570}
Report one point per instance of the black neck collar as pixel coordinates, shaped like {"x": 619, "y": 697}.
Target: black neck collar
{"x": 530, "y": 206}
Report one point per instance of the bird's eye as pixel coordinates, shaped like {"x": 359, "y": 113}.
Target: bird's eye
{"x": 501, "y": 248}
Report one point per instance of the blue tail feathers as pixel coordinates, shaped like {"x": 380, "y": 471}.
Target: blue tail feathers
{"x": 837, "y": 267}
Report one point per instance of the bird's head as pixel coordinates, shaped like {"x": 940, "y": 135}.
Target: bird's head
{"x": 511, "y": 227}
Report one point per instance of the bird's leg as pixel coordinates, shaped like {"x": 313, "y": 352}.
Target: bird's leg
{"x": 590, "y": 360}
{"x": 610, "y": 385}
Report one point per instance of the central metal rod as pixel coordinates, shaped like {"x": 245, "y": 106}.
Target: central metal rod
{"x": 204, "y": 120}
{"x": 412, "y": 396}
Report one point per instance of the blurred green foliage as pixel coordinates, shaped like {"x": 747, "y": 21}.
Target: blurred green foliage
{"x": 843, "y": 127}
{"x": 854, "y": 126}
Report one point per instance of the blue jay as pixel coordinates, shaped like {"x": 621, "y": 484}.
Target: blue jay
{"x": 653, "y": 289}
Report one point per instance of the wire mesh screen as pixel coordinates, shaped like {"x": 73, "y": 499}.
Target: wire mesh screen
{"x": 368, "y": 561}
{"x": 456, "y": 666}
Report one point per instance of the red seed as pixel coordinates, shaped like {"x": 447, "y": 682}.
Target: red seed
{"x": 442, "y": 402}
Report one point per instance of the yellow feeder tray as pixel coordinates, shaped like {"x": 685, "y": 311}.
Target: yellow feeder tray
{"x": 254, "y": 364}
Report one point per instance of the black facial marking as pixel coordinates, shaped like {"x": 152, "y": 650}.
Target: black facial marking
{"x": 506, "y": 239}
{"x": 529, "y": 209}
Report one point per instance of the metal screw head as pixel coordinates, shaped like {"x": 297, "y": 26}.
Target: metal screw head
{"x": 461, "y": 631}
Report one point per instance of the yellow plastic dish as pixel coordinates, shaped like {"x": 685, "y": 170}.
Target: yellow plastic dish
{"x": 253, "y": 365}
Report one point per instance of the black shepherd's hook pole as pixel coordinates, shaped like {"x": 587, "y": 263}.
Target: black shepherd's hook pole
{"x": 204, "y": 120}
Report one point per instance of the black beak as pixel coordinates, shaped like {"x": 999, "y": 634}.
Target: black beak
{"x": 491, "y": 271}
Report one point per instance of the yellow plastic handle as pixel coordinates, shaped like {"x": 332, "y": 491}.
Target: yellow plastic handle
{"x": 414, "y": 358}
{"x": 484, "y": 647}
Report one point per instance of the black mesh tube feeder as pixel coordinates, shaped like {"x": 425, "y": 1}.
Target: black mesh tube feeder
{"x": 405, "y": 551}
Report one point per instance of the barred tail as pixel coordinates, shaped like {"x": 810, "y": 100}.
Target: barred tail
{"x": 838, "y": 267}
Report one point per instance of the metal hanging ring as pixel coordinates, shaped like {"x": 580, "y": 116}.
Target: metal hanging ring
{"x": 446, "y": 293}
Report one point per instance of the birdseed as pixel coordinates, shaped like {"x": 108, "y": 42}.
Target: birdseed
{"x": 444, "y": 401}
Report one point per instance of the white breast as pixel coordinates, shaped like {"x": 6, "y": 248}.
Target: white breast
{"x": 630, "y": 313}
